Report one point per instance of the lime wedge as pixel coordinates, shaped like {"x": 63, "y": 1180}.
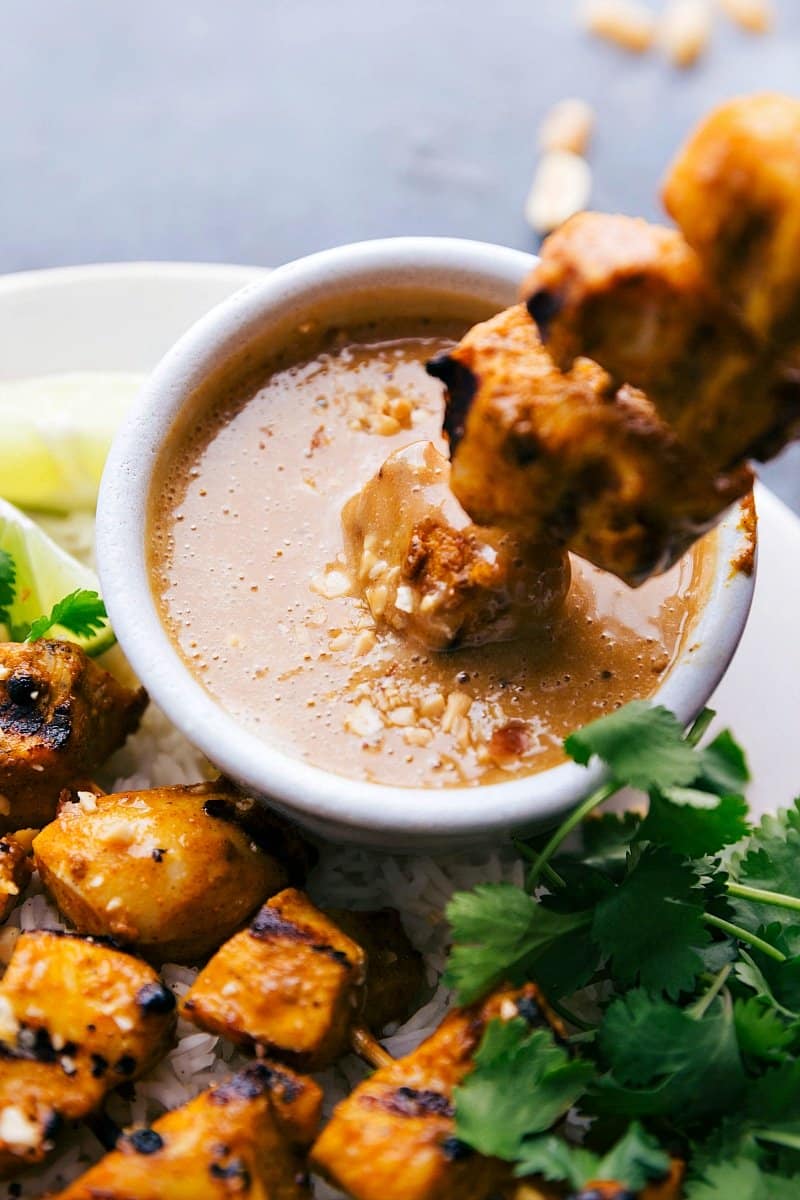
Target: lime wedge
{"x": 55, "y": 432}
{"x": 45, "y": 574}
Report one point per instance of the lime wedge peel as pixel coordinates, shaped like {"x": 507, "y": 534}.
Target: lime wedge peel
{"x": 45, "y": 575}
{"x": 55, "y": 433}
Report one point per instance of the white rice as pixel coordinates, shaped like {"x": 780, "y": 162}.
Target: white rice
{"x": 345, "y": 877}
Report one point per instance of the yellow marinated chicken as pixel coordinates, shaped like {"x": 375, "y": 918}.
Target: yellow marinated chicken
{"x": 635, "y": 298}
{"x": 427, "y": 571}
{"x": 245, "y": 1137}
{"x": 77, "y": 1018}
{"x": 61, "y": 716}
{"x": 294, "y": 982}
{"x": 393, "y": 1137}
{"x": 16, "y": 869}
{"x": 734, "y": 190}
{"x": 566, "y": 457}
{"x": 172, "y": 870}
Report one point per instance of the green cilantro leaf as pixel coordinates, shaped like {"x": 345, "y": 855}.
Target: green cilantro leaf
{"x": 694, "y": 823}
{"x": 8, "y": 586}
{"x": 665, "y": 1061}
{"x": 606, "y": 842}
{"x": 522, "y": 1083}
{"x": 634, "y": 1161}
{"x": 81, "y": 612}
{"x": 761, "y": 1032}
{"x": 652, "y": 926}
{"x": 743, "y": 1179}
{"x": 770, "y": 861}
{"x": 642, "y": 744}
{"x": 723, "y": 765}
{"x": 499, "y": 933}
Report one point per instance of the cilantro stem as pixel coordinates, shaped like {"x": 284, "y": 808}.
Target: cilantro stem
{"x": 699, "y": 1009}
{"x": 700, "y": 725}
{"x": 779, "y": 899}
{"x": 591, "y": 802}
{"x": 551, "y": 875}
{"x": 743, "y": 935}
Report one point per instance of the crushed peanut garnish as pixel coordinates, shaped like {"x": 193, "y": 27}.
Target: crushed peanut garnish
{"x": 567, "y": 126}
{"x": 627, "y": 23}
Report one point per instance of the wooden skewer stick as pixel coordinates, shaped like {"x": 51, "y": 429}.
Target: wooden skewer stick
{"x": 368, "y": 1047}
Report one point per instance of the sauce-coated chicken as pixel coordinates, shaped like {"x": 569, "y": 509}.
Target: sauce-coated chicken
{"x": 61, "y": 716}
{"x": 77, "y": 1018}
{"x": 294, "y": 982}
{"x": 16, "y": 869}
{"x": 244, "y": 1137}
{"x": 427, "y": 571}
{"x": 569, "y": 458}
{"x": 174, "y": 871}
{"x": 393, "y": 1137}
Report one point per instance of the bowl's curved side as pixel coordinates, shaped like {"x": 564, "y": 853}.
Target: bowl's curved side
{"x": 328, "y": 804}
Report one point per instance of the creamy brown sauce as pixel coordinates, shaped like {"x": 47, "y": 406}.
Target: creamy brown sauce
{"x": 250, "y": 575}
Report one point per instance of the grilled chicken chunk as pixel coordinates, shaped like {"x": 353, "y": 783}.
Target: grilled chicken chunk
{"x": 294, "y": 982}
{"x": 61, "y": 716}
{"x": 427, "y": 571}
{"x": 636, "y": 299}
{"x": 172, "y": 870}
{"x": 567, "y": 457}
{"x": 734, "y": 190}
{"x": 16, "y": 869}
{"x": 77, "y": 1018}
{"x": 393, "y": 1137}
{"x": 244, "y": 1137}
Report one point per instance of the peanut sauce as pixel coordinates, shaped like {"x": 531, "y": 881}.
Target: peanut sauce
{"x": 251, "y": 578}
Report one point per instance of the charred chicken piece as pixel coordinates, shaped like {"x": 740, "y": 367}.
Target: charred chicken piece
{"x": 16, "y": 869}
{"x": 77, "y": 1018}
{"x": 428, "y": 572}
{"x": 734, "y": 190}
{"x": 291, "y": 982}
{"x": 174, "y": 871}
{"x": 393, "y": 1138}
{"x": 244, "y": 1137}
{"x": 61, "y": 716}
{"x": 635, "y": 298}
{"x": 568, "y": 457}
{"x": 294, "y": 982}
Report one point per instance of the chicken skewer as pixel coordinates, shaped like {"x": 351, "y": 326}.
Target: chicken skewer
{"x": 247, "y": 1135}
{"x": 77, "y": 1018}
{"x": 704, "y": 321}
{"x": 394, "y": 1137}
{"x": 297, "y": 985}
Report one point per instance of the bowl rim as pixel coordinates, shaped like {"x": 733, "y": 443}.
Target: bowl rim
{"x": 356, "y": 810}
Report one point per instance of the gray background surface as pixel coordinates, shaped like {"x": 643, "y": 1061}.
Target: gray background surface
{"x": 253, "y": 131}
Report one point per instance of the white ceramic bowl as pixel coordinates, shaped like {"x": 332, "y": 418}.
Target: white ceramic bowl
{"x": 337, "y": 807}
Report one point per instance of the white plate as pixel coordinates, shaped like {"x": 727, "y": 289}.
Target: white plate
{"x": 124, "y": 316}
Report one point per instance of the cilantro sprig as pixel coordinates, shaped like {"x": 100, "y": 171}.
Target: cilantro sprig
{"x": 81, "y": 613}
{"x": 670, "y": 940}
